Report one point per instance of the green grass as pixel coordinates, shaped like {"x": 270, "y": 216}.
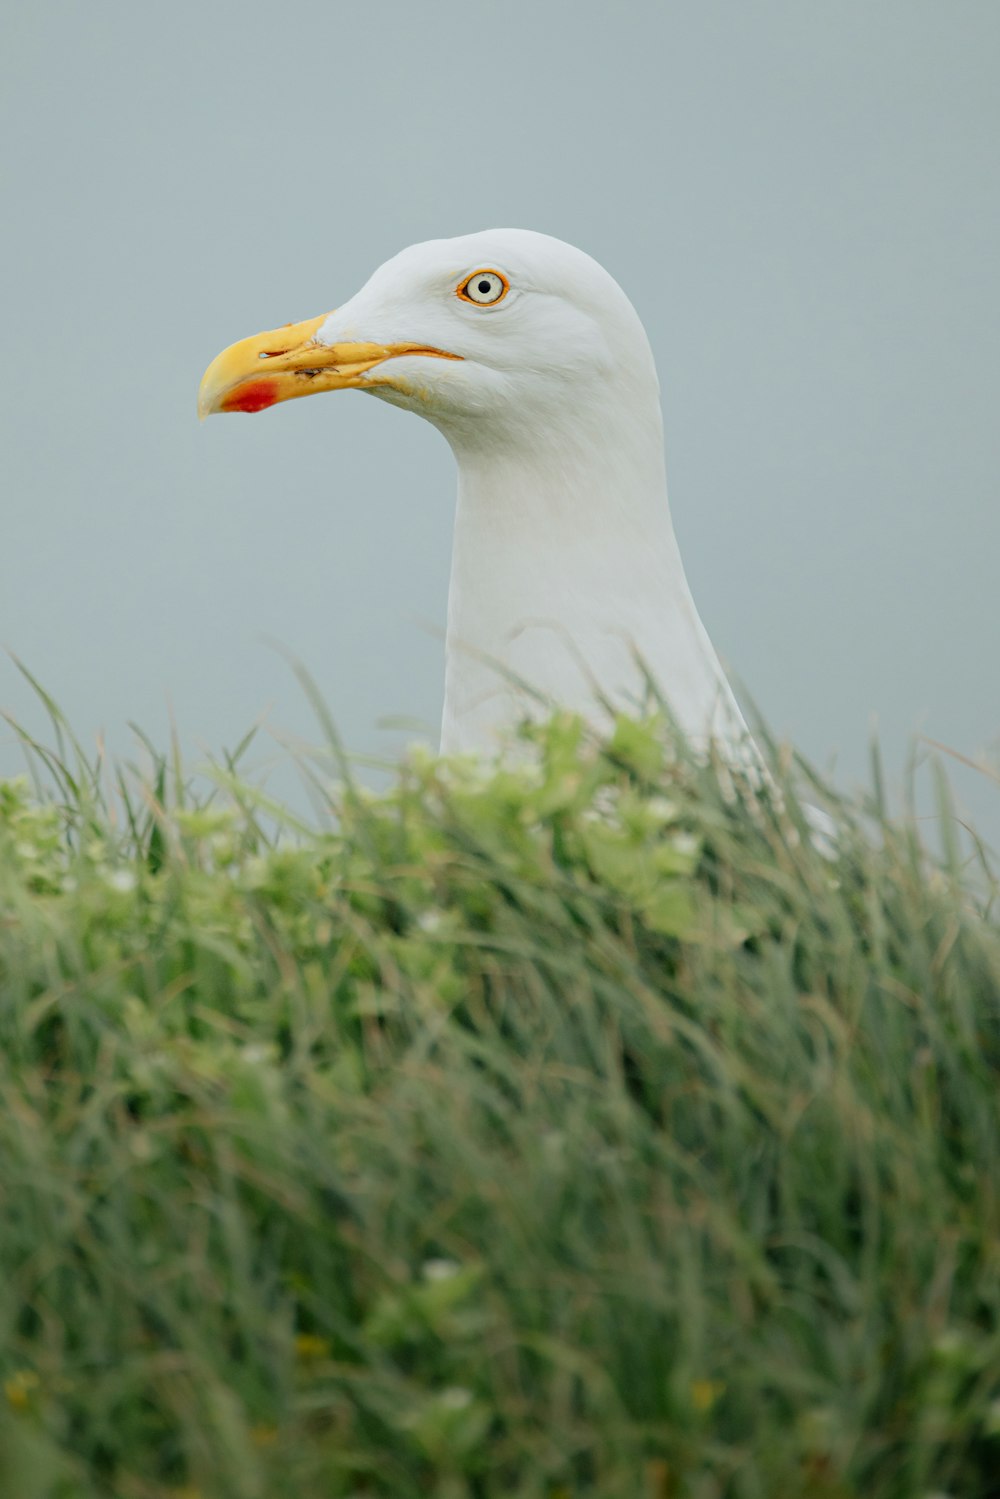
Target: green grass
{"x": 574, "y": 1132}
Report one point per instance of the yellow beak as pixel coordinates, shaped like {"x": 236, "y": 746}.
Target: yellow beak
{"x": 283, "y": 364}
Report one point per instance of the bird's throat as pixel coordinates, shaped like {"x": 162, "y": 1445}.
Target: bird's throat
{"x": 567, "y": 583}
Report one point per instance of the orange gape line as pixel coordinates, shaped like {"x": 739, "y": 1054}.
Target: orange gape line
{"x": 252, "y": 397}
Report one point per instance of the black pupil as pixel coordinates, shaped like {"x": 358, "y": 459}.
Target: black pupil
{"x": 484, "y": 287}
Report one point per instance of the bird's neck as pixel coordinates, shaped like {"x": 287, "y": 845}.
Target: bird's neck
{"x": 565, "y": 575}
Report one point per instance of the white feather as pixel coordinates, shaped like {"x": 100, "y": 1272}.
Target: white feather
{"x": 566, "y": 571}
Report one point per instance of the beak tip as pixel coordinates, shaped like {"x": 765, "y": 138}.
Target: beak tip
{"x": 208, "y": 395}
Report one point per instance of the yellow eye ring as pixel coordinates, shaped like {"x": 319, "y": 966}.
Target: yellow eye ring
{"x": 484, "y": 288}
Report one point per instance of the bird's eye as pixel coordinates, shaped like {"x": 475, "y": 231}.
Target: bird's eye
{"x": 484, "y": 288}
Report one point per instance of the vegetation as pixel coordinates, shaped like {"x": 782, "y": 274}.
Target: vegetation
{"x": 573, "y": 1131}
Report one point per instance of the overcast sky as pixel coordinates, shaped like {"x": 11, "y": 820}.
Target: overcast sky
{"x": 802, "y": 201}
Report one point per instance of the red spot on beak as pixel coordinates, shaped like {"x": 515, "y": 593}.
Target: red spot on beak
{"x": 254, "y": 395}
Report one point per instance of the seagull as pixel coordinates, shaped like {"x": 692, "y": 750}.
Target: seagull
{"x": 566, "y": 576}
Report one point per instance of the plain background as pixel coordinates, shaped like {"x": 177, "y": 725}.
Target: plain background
{"x": 802, "y": 200}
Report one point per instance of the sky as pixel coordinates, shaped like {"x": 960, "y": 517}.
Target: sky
{"x": 802, "y": 202}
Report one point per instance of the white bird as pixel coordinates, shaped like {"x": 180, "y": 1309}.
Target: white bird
{"x": 566, "y": 572}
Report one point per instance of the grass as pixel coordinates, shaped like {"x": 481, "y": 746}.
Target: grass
{"x": 571, "y": 1132}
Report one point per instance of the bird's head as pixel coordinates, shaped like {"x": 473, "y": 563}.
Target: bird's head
{"x": 484, "y": 335}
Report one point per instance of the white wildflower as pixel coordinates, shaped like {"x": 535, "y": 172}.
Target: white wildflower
{"x": 440, "y": 1269}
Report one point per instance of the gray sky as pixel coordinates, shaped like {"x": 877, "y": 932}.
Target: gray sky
{"x": 802, "y": 201}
